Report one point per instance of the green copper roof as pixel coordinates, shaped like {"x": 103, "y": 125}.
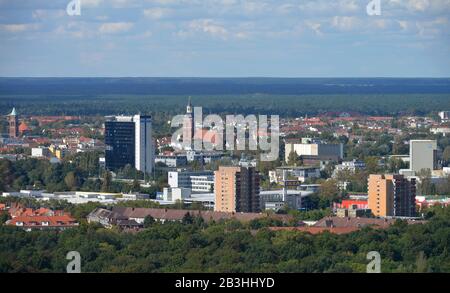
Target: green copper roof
{"x": 13, "y": 112}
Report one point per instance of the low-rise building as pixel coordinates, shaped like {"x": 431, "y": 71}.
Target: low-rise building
{"x": 197, "y": 181}
{"x": 172, "y": 161}
{"x": 277, "y": 199}
{"x": 40, "y": 152}
{"x": 349, "y": 166}
{"x": 176, "y": 194}
{"x": 315, "y": 151}
{"x": 300, "y": 173}
{"x": 112, "y": 217}
{"x": 43, "y": 222}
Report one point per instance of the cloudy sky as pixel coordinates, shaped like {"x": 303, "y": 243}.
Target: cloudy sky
{"x": 225, "y": 38}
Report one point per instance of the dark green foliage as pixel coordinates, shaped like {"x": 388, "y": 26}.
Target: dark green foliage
{"x": 229, "y": 247}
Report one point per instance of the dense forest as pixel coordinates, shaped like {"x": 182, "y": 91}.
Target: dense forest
{"x": 194, "y": 246}
{"x": 270, "y": 104}
{"x": 288, "y": 97}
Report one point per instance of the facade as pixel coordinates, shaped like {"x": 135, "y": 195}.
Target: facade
{"x": 277, "y": 199}
{"x": 445, "y": 131}
{"x": 351, "y": 166}
{"x": 204, "y": 157}
{"x": 128, "y": 140}
{"x": 40, "y": 152}
{"x": 202, "y": 183}
{"x": 392, "y": 196}
{"x": 197, "y": 181}
{"x": 13, "y": 121}
{"x": 237, "y": 190}
{"x": 172, "y": 161}
{"x": 301, "y": 173}
{"x": 352, "y": 212}
{"x": 445, "y": 116}
{"x": 423, "y": 155}
{"x": 315, "y": 150}
{"x": 174, "y": 194}
{"x": 144, "y": 153}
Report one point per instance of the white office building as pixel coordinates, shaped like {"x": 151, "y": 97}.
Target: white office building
{"x": 318, "y": 150}
{"x": 176, "y": 194}
{"x": 144, "y": 154}
{"x": 40, "y": 152}
{"x": 128, "y": 141}
{"x": 196, "y": 181}
{"x": 445, "y": 116}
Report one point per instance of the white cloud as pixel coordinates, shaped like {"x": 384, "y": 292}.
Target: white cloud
{"x": 91, "y": 3}
{"x": 345, "y": 23}
{"x": 315, "y": 27}
{"x": 115, "y": 27}
{"x": 157, "y": 13}
{"x": 18, "y": 28}
{"x": 42, "y": 14}
{"x": 208, "y": 26}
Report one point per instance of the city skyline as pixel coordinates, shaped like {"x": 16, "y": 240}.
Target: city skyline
{"x": 225, "y": 38}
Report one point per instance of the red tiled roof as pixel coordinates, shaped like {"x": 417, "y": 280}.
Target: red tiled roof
{"x": 53, "y": 221}
{"x": 23, "y": 127}
{"x": 41, "y": 140}
{"x": 18, "y": 211}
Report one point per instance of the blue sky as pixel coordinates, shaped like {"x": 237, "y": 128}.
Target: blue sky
{"x": 225, "y": 38}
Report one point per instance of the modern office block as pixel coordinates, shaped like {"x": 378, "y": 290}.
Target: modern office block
{"x": 128, "y": 141}
{"x": 197, "y": 181}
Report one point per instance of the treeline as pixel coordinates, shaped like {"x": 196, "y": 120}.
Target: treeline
{"x": 228, "y": 247}
{"x": 161, "y": 106}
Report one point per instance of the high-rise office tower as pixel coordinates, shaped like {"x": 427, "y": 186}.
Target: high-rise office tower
{"x": 423, "y": 155}
{"x": 392, "y": 196}
{"x": 237, "y": 190}
{"x": 128, "y": 140}
{"x": 13, "y": 121}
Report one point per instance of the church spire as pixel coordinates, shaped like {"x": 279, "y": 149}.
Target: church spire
{"x": 189, "y": 107}
{"x": 13, "y": 112}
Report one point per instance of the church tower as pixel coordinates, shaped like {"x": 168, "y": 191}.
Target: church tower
{"x": 189, "y": 109}
{"x": 188, "y": 125}
{"x": 13, "y": 121}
